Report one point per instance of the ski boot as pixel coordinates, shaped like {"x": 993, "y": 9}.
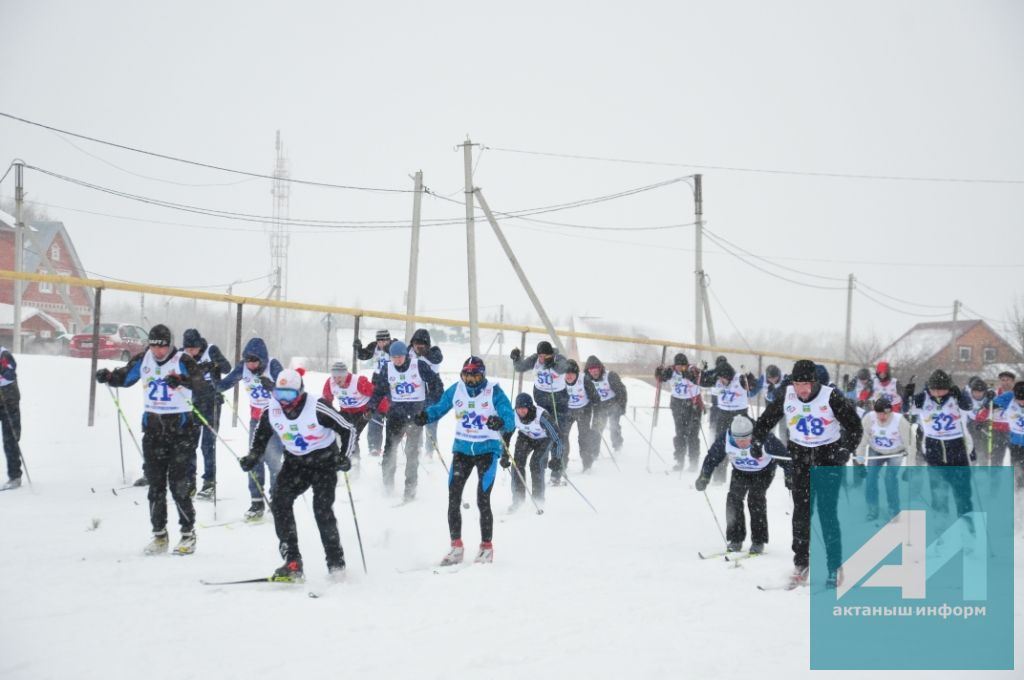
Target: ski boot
{"x": 872, "y": 514}
{"x": 455, "y": 555}
{"x": 486, "y": 554}
{"x": 336, "y": 572}
{"x": 187, "y": 544}
{"x": 208, "y": 491}
{"x": 255, "y": 511}
{"x": 734, "y": 546}
{"x": 141, "y": 481}
{"x": 798, "y": 577}
{"x": 515, "y": 506}
{"x": 289, "y": 572}
{"x": 757, "y": 548}
{"x": 158, "y": 545}
{"x": 12, "y": 483}
{"x": 834, "y": 580}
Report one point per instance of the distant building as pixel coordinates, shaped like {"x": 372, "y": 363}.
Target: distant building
{"x": 42, "y": 298}
{"x": 964, "y": 348}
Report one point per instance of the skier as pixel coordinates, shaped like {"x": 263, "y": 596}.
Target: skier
{"x": 612, "y": 400}
{"x": 378, "y": 351}
{"x": 257, "y": 373}
{"x": 734, "y": 392}
{"x": 306, "y": 427}
{"x": 537, "y": 436}
{"x": 207, "y": 401}
{"x": 686, "y": 407}
{"x": 353, "y": 394}
{"x": 884, "y": 385}
{"x": 978, "y": 421}
{"x": 168, "y": 432}
{"x": 582, "y": 398}
{"x": 1012, "y": 403}
{"x": 887, "y": 436}
{"x": 999, "y": 432}
{"x": 940, "y": 409}
{"x": 482, "y": 413}
{"x": 419, "y": 348}
{"x": 751, "y": 478}
{"x": 859, "y": 388}
{"x": 549, "y": 384}
{"x": 823, "y": 430}
{"x": 10, "y": 410}
{"x": 409, "y": 385}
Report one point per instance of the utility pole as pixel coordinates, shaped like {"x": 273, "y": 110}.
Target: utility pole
{"x": 711, "y": 325}
{"x": 849, "y": 317}
{"x": 414, "y": 254}
{"x": 501, "y": 333}
{"x": 520, "y": 273}
{"x": 19, "y": 249}
{"x": 698, "y": 262}
{"x": 279, "y": 237}
{"x": 956, "y": 310}
{"x": 474, "y": 322}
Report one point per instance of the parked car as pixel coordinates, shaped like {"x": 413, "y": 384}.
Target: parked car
{"x": 116, "y": 341}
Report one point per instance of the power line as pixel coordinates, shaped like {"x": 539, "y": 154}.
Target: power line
{"x": 770, "y": 273}
{"x": 731, "y": 322}
{"x": 896, "y": 299}
{"x": 898, "y": 311}
{"x": 768, "y": 171}
{"x": 199, "y": 164}
{"x": 775, "y": 264}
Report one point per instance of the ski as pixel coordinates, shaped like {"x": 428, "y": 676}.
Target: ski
{"x": 741, "y": 556}
{"x": 714, "y": 555}
{"x": 265, "y": 579}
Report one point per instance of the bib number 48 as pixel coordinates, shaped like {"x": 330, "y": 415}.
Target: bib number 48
{"x": 811, "y": 426}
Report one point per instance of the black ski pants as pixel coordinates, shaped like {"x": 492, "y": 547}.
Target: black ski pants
{"x": 949, "y": 469}
{"x": 686, "y": 443}
{"x": 298, "y": 473}
{"x": 537, "y": 451}
{"x": 10, "y": 421}
{"x": 355, "y": 418}
{"x": 586, "y": 437}
{"x": 168, "y": 461}
{"x": 753, "y": 486}
{"x": 825, "y": 496}
{"x": 486, "y": 466}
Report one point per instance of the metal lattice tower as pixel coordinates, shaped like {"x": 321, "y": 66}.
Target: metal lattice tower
{"x": 279, "y": 236}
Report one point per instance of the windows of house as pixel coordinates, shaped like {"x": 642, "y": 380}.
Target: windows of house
{"x": 965, "y": 353}
{"x": 989, "y": 355}
{"x": 55, "y": 252}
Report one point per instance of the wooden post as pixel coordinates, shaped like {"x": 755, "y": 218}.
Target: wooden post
{"x": 95, "y": 354}
{"x": 238, "y": 358}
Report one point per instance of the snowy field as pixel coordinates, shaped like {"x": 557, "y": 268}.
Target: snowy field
{"x": 617, "y": 594}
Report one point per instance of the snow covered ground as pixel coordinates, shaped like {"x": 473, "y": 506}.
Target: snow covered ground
{"x": 616, "y": 594}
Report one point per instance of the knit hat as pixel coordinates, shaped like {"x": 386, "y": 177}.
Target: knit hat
{"x": 398, "y": 349}
{"x": 773, "y": 371}
{"x": 474, "y": 365}
{"x": 680, "y": 360}
{"x": 882, "y": 369}
{"x": 421, "y": 335}
{"x": 383, "y": 335}
{"x": 741, "y": 427}
{"x": 289, "y": 379}
{"x": 524, "y": 400}
{"x": 339, "y": 368}
{"x": 544, "y": 347}
{"x": 939, "y": 380}
{"x": 882, "y": 405}
{"x": 572, "y": 367}
{"x": 192, "y": 338}
{"x": 159, "y": 336}
{"x": 977, "y": 384}
{"x": 724, "y": 370}
{"x": 803, "y": 371}
{"x": 720, "y": 359}
{"x": 863, "y": 374}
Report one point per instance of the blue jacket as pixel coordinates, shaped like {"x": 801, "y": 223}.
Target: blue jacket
{"x": 381, "y": 388}
{"x": 1002, "y": 401}
{"x": 255, "y": 347}
{"x": 8, "y": 366}
{"x": 501, "y": 404}
{"x": 716, "y": 454}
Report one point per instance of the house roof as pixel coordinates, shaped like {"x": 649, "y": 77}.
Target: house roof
{"x": 43, "y": 234}
{"x": 7, "y": 317}
{"x": 925, "y": 340}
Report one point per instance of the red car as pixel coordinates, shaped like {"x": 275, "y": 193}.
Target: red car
{"x": 116, "y": 341}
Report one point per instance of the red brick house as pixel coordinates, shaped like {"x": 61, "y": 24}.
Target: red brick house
{"x": 964, "y": 348}
{"x": 44, "y": 297}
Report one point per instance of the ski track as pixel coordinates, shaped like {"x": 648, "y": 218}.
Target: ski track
{"x": 571, "y": 593}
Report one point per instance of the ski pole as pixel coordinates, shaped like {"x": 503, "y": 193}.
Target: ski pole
{"x": 566, "y": 477}
{"x": 355, "y": 521}
{"x": 610, "y": 454}
{"x": 439, "y": 456}
{"x": 657, "y": 402}
{"x": 120, "y": 447}
{"x": 124, "y": 418}
{"x": 519, "y": 472}
{"x": 649, "y": 443}
{"x": 715, "y": 515}
{"x": 216, "y": 434}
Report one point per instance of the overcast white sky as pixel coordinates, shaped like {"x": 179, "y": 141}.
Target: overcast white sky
{"x": 367, "y": 93}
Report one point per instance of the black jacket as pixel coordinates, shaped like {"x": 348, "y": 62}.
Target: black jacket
{"x": 845, "y": 412}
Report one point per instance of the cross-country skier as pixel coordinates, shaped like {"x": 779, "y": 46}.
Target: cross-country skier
{"x": 1013, "y": 404}
{"x": 824, "y": 430}
{"x": 207, "y": 401}
{"x": 352, "y": 392}
{"x": 409, "y": 385}
{"x": 10, "y": 417}
{"x": 751, "y": 478}
{"x": 999, "y": 433}
{"x": 887, "y": 436}
{"x": 307, "y": 428}
{"x": 419, "y": 348}
{"x": 548, "y": 384}
{"x": 612, "y": 400}
{"x": 257, "y": 373}
{"x": 168, "y": 431}
{"x": 686, "y": 407}
{"x": 378, "y": 352}
{"x": 734, "y": 392}
{"x": 582, "y": 398}
{"x": 536, "y": 439}
{"x": 482, "y": 413}
{"x": 858, "y": 389}
{"x": 884, "y": 385}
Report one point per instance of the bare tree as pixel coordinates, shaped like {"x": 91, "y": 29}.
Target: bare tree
{"x": 1015, "y": 323}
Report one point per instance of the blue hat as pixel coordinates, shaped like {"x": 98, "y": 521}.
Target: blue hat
{"x": 398, "y": 349}
{"x": 524, "y": 400}
{"x": 474, "y": 365}
{"x": 822, "y": 374}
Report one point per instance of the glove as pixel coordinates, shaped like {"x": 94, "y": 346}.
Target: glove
{"x": 846, "y": 379}
{"x": 344, "y": 462}
{"x": 787, "y": 479}
{"x": 908, "y": 390}
{"x": 703, "y": 365}
{"x": 974, "y": 455}
{"x": 495, "y": 423}
{"x": 356, "y": 344}
{"x": 174, "y": 381}
{"x": 103, "y": 375}
{"x": 955, "y": 391}
{"x": 207, "y": 366}
{"x": 247, "y": 463}
{"x": 555, "y": 464}
{"x": 420, "y": 418}
{"x": 657, "y": 373}
{"x": 990, "y": 395}
{"x": 267, "y": 383}
{"x": 701, "y": 483}
{"x": 505, "y": 461}
{"x": 842, "y": 456}
{"x": 549, "y": 362}
{"x": 366, "y": 416}
{"x": 516, "y": 355}
{"x": 756, "y": 450}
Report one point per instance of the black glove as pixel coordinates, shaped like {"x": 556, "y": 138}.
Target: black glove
{"x": 974, "y": 454}
{"x": 990, "y": 395}
{"x": 908, "y": 391}
{"x": 755, "y": 450}
{"x": 549, "y": 362}
{"x": 420, "y": 418}
{"x": 344, "y": 462}
{"x": 495, "y": 422}
{"x": 516, "y": 355}
{"x": 247, "y": 463}
{"x": 787, "y": 479}
{"x": 846, "y": 379}
{"x": 267, "y": 383}
{"x": 703, "y": 365}
{"x": 955, "y": 391}
{"x": 103, "y": 375}
{"x": 174, "y": 381}
{"x": 701, "y": 483}
{"x": 842, "y": 457}
{"x": 555, "y": 464}
{"x": 505, "y": 461}
{"x": 658, "y": 372}
{"x": 356, "y": 344}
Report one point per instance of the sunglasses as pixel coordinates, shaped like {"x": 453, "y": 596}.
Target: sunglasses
{"x": 472, "y": 378}
{"x": 285, "y": 394}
